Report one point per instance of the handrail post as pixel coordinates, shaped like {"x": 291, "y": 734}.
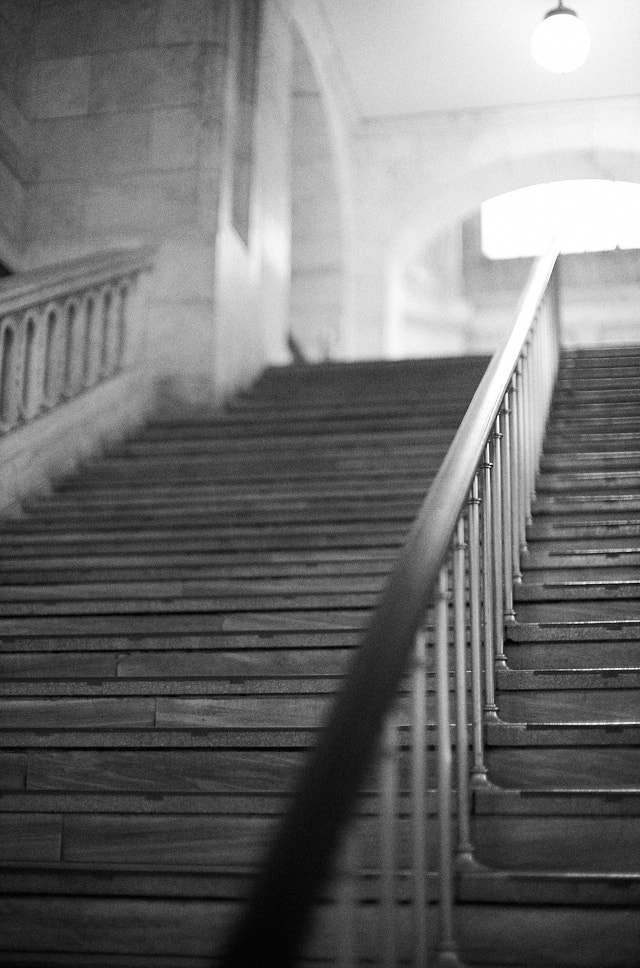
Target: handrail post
{"x": 507, "y": 518}
{"x": 514, "y": 431}
{"x": 497, "y": 546}
{"x": 447, "y": 948}
{"x": 464, "y": 850}
{"x": 478, "y": 770}
{"x": 388, "y": 845}
{"x": 522, "y": 455}
{"x": 420, "y": 899}
{"x": 490, "y": 708}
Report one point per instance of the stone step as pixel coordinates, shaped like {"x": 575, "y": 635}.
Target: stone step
{"x": 600, "y": 611}
{"x": 242, "y": 514}
{"x": 161, "y": 497}
{"x": 118, "y": 575}
{"x": 155, "y": 542}
{"x": 609, "y": 767}
{"x": 616, "y": 702}
{"x": 582, "y": 553}
{"x": 412, "y": 472}
{"x": 580, "y": 733}
{"x": 576, "y": 630}
{"x": 183, "y": 635}
{"x": 595, "y": 504}
{"x": 335, "y": 439}
{"x": 551, "y": 575}
{"x": 579, "y": 890}
{"x": 583, "y": 481}
{"x": 221, "y": 559}
{"x": 599, "y": 527}
{"x": 344, "y": 584}
{"x": 587, "y": 843}
{"x": 189, "y": 662}
{"x": 149, "y": 713}
{"x": 589, "y": 589}
{"x": 577, "y": 654}
{"x": 280, "y": 459}
{"x": 564, "y": 440}
{"x": 612, "y": 394}
{"x": 578, "y": 460}
{"x": 233, "y": 426}
{"x": 184, "y": 605}
{"x": 183, "y": 933}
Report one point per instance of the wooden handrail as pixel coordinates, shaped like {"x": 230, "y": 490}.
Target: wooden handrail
{"x": 273, "y": 924}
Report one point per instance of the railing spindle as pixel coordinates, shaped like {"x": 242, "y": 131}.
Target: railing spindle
{"x": 478, "y": 770}
{"x": 490, "y": 708}
{"x": 514, "y": 430}
{"x": 464, "y": 851}
{"x": 507, "y": 518}
{"x": 420, "y": 898}
{"x": 389, "y": 836}
{"x": 497, "y": 545}
{"x": 447, "y": 948}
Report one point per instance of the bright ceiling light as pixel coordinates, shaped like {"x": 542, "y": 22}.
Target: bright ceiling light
{"x": 561, "y": 42}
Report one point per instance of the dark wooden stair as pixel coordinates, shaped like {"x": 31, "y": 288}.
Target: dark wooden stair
{"x": 560, "y": 832}
{"x": 174, "y": 621}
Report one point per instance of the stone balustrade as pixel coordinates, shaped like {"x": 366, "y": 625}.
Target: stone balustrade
{"x": 66, "y": 329}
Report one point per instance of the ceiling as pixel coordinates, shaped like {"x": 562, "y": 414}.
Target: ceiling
{"x": 408, "y": 56}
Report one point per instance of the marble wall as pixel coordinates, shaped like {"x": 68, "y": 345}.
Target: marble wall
{"x": 16, "y": 161}
{"x": 129, "y": 102}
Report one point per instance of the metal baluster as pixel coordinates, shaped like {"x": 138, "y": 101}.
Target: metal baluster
{"x": 388, "y": 853}
{"x": 490, "y": 708}
{"x": 497, "y": 546}
{"x": 478, "y": 770}
{"x": 540, "y": 412}
{"x": 530, "y": 430}
{"x": 522, "y": 516}
{"x": 447, "y": 948}
{"x": 419, "y": 800}
{"x": 507, "y": 520}
{"x": 515, "y": 470}
{"x": 464, "y": 851}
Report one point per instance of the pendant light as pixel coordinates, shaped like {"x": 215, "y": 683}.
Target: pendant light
{"x": 561, "y": 42}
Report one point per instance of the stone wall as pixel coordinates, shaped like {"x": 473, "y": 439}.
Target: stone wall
{"x": 16, "y": 164}
{"x": 129, "y": 104}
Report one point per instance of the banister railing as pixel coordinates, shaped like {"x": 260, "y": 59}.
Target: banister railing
{"x": 66, "y": 328}
{"x": 451, "y": 589}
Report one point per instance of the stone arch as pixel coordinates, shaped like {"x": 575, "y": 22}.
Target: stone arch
{"x": 419, "y": 174}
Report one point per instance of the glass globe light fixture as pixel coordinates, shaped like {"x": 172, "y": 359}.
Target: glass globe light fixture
{"x": 561, "y": 42}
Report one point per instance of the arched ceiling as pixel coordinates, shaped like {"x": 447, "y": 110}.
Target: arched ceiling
{"x": 414, "y": 56}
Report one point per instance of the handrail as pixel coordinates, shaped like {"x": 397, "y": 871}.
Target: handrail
{"x": 66, "y": 328}
{"x": 272, "y": 926}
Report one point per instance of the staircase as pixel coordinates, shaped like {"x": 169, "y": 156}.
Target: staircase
{"x": 175, "y": 620}
{"x": 563, "y": 823}
{"x": 173, "y": 624}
